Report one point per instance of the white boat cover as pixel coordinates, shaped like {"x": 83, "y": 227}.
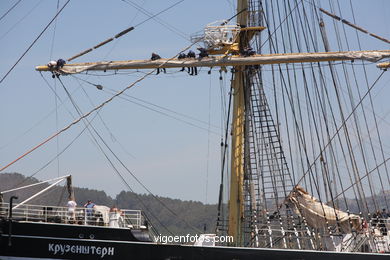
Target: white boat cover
{"x": 104, "y": 211}
{"x": 319, "y": 215}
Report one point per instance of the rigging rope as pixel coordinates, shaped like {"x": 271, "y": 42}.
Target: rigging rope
{"x": 111, "y": 91}
{"x": 54, "y": 32}
{"x": 342, "y": 125}
{"x": 87, "y": 125}
{"x": 224, "y": 148}
{"x": 310, "y": 113}
{"x": 120, "y": 34}
{"x": 353, "y": 158}
{"x": 208, "y": 145}
{"x": 323, "y": 166}
{"x": 84, "y": 116}
{"x": 364, "y": 176}
{"x": 55, "y": 88}
{"x": 91, "y": 111}
{"x": 359, "y": 131}
{"x": 323, "y": 107}
{"x": 32, "y": 44}
{"x": 151, "y": 16}
{"x": 275, "y": 30}
{"x": 373, "y": 115}
{"x": 9, "y": 10}
{"x": 113, "y": 138}
{"x": 120, "y": 161}
{"x": 21, "y": 19}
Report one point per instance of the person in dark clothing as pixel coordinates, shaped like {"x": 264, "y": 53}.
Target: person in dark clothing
{"x": 191, "y": 54}
{"x": 180, "y": 57}
{"x": 248, "y": 51}
{"x": 60, "y": 63}
{"x": 382, "y": 222}
{"x": 385, "y": 215}
{"x": 203, "y": 53}
{"x": 375, "y": 218}
{"x": 192, "y": 70}
{"x": 155, "y": 56}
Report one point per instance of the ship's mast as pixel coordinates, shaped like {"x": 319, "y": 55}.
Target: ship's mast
{"x": 236, "y": 202}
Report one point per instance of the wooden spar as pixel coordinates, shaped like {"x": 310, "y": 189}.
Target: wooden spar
{"x": 69, "y": 186}
{"x": 102, "y": 43}
{"x": 354, "y": 26}
{"x": 223, "y": 61}
{"x": 383, "y": 65}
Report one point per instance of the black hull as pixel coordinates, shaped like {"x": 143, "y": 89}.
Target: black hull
{"x": 40, "y": 244}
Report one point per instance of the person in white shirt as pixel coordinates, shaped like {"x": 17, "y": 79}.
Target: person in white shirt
{"x": 71, "y": 209}
{"x": 115, "y": 217}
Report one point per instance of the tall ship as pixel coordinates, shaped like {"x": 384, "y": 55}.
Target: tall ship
{"x": 303, "y": 168}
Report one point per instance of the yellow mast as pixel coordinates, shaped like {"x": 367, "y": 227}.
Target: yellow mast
{"x": 236, "y": 205}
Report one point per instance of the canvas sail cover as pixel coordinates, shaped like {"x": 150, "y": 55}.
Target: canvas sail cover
{"x": 223, "y": 61}
{"x": 319, "y": 215}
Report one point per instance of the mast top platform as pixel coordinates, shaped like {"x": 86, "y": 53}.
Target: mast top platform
{"x": 220, "y": 37}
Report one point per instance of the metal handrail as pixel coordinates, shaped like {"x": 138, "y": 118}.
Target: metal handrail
{"x": 81, "y": 216}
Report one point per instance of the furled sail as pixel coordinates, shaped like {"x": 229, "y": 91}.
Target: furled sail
{"x": 321, "y": 216}
{"x": 223, "y": 61}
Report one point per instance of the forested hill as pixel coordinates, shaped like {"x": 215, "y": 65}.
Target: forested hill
{"x": 177, "y": 216}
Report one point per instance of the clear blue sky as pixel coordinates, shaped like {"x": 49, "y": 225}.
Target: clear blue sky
{"x": 169, "y": 156}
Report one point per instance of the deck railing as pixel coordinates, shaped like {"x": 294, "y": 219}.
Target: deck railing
{"x": 101, "y": 216}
